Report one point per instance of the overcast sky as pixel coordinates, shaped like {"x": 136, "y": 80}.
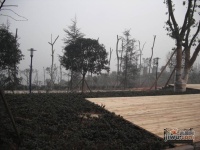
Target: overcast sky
{"x": 103, "y": 19}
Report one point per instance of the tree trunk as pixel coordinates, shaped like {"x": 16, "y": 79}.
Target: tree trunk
{"x": 125, "y": 79}
{"x": 187, "y": 66}
{"x": 117, "y": 59}
{"x": 186, "y": 75}
{"x": 83, "y": 82}
{"x": 51, "y": 84}
{"x": 179, "y": 85}
{"x": 120, "y": 65}
{"x": 71, "y": 81}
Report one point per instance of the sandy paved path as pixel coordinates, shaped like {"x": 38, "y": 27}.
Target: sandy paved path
{"x": 193, "y": 86}
{"x": 154, "y": 113}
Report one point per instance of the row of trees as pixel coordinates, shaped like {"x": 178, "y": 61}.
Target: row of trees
{"x": 86, "y": 55}
{"x": 186, "y": 37}
{"x": 82, "y": 55}
{"x": 103, "y": 81}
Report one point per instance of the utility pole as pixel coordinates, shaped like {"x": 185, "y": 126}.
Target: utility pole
{"x": 30, "y": 75}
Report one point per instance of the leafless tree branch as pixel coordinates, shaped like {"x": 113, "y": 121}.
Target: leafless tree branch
{"x": 187, "y": 19}
{"x": 171, "y": 14}
{"x": 195, "y": 35}
{"x": 2, "y": 4}
{"x": 194, "y": 56}
{"x": 25, "y": 19}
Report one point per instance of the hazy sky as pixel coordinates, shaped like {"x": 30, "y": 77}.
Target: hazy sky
{"x": 103, "y": 19}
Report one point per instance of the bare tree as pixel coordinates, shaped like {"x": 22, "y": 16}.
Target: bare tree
{"x": 52, "y": 60}
{"x": 150, "y": 60}
{"x": 128, "y": 58}
{"x": 26, "y": 74}
{"x": 121, "y": 56}
{"x": 53, "y": 74}
{"x": 140, "y": 49}
{"x": 118, "y": 58}
{"x": 111, "y": 50}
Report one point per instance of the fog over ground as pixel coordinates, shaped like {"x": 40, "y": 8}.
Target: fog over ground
{"x": 103, "y": 19}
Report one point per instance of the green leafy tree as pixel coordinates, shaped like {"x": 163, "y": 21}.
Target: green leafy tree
{"x": 86, "y": 55}
{"x": 72, "y": 34}
{"x": 186, "y": 37}
{"x": 10, "y": 56}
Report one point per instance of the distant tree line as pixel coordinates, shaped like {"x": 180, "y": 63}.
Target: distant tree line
{"x": 87, "y": 65}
